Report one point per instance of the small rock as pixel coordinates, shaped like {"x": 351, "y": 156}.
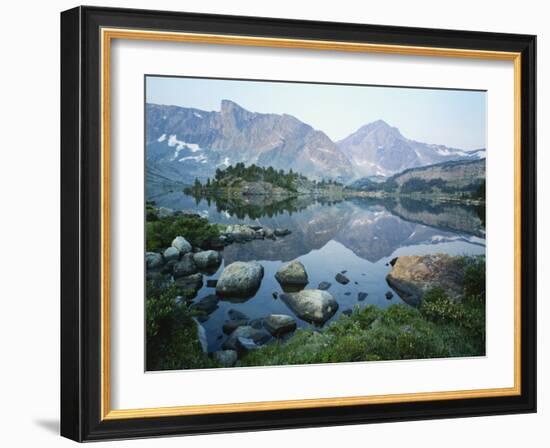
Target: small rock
{"x": 227, "y": 358}
{"x": 356, "y": 283}
{"x": 186, "y": 266}
{"x": 292, "y": 273}
{"x": 217, "y": 242}
{"x": 259, "y": 234}
{"x": 323, "y": 286}
{"x": 169, "y": 267}
{"x": 341, "y": 278}
{"x": 343, "y": 272}
{"x": 181, "y": 244}
{"x": 279, "y": 324}
{"x": 275, "y": 294}
{"x": 258, "y": 323}
{"x": 211, "y": 283}
{"x": 258, "y": 337}
{"x": 153, "y": 260}
{"x": 362, "y": 296}
{"x": 190, "y": 283}
{"x": 230, "y": 326}
{"x": 282, "y": 232}
{"x": 347, "y": 293}
{"x": 171, "y": 254}
{"x": 207, "y": 258}
{"x": 236, "y": 314}
{"x": 269, "y": 233}
{"x": 246, "y": 344}
{"x": 389, "y": 295}
{"x": 207, "y": 304}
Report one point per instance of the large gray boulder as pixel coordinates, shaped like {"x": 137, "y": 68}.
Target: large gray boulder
{"x": 181, "y": 244}
{"x": 412, "y": 276}
{"x": 246, "y": 334}
{"x": 153, "y": 260}
{"x": 171, "y": 254}
{"x": 240, "y": 279}
{"x": 312, "y": 305}
{"x": 279, "y": 324}
{"x": 207, "y": 258}
{"x": 292, "y": 273}
{"x": 186, "y": 266}
{"x": 227, "y": 358}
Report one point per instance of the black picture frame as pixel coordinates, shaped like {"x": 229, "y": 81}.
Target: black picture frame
{"x": 81, "y": 224}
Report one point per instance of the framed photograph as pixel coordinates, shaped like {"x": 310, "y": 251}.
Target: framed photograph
{"x": 275, "y": 224}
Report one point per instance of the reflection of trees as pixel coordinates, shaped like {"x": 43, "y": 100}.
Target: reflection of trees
{"x": 259, "y": 206}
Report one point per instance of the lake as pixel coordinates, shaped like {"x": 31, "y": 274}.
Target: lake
{"x": 358, "y": 235}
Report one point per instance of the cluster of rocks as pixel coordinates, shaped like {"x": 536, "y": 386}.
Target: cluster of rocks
{"x": 182, "y": 263}
{"x": 238, "y": 233}
{"x": 245, "y": 334}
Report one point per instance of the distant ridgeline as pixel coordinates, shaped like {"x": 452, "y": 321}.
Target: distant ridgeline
{"x": 461, "y": 178}
{"x": 183, "y": 143}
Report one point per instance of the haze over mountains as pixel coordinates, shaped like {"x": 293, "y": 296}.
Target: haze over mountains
{"x": 186, "y": 143}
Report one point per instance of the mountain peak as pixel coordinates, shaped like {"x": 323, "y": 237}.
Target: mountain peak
{"x": 379, "y": 126}
{"x": 228, "y": 106}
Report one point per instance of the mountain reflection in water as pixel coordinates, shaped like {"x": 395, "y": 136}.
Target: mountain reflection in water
{"x": 358, "y": 235}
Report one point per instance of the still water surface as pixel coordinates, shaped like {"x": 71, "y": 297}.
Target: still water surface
{"x": 359, "y": 236}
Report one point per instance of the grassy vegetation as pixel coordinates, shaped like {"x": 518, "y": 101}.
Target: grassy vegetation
{"x": 440, "y": 327}
{"x": 172, "y": 341}
{"x": 160, "y": 232}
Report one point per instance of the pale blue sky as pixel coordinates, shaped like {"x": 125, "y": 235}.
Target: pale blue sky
{"x": 450, "y": 117}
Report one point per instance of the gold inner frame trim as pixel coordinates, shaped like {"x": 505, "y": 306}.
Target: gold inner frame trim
{"x": 107, "y": 35}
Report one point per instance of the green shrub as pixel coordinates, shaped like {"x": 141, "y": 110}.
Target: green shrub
{"x": 171, "y": 332}
{"x": 474, "y": 277}
{"x": 437, "y": 307}
{"x": 151, "y": 213}
{"x": 195, "y": 229}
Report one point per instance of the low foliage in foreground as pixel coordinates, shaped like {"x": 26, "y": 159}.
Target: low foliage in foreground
{"x": 439, "y": 328}
{"x": 172, "y": 341}
{"x": 195, "y": 229}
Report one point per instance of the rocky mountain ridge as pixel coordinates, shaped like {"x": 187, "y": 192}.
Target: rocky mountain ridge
{"x": 187, "y": 143}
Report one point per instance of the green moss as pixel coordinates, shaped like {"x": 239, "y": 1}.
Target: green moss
{"x": 172, "y": 341}
{"x": 195, "y": 229}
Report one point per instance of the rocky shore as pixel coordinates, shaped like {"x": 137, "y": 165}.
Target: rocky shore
{"x": 181, "y": 268}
